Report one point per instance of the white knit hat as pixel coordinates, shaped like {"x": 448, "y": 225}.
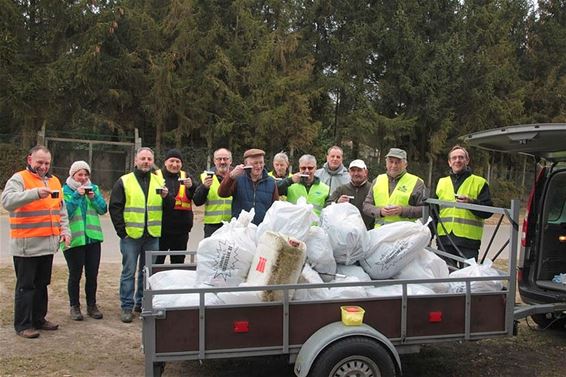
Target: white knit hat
{"x": 78, "y": 165}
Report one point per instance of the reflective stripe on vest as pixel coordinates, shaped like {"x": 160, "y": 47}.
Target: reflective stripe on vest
{"x": 40, "y": 218}
{"x": 182, "y": 203}
{"x": 89, "y": 226}
{"x": 461, "y": 222}
{"x": 399, "y": 197}
{"x": 316, "y": 196}
{"x": 137, "y": 205}
{"x": 216, "y": 209}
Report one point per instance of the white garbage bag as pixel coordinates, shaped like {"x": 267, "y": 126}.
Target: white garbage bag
{"x": 287, "y": 218}
{"x": 393, "y": 246}
{"x": 178, "y": 279}
{"x": 224, "y": 258}
{"x": 319, "y": 253}
{"x": 310, "y": 276}
{"x": 242, "y": 297}
{"x": 476, "y": 270}
{"x": 353, "y": 270}
{"x": 279, "y": 259}
{"x": 397, "y": 290}
{"x": 347, "y": 292}
{"x": 346, "y": 230}
{"x": 426, "y": 265}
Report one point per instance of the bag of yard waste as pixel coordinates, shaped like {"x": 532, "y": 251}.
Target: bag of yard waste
{"x": 319, "y": 253}
{"x": 393, "y": 246}
{"x": 426, "y": 265}
{"x": 224, "y": 258}
{"x": 310, "y": 276}
{"x": 279, "y": 259}
{"x": 346, "y": 231}
{"x": 287, "y": 218}
{"x": 476, "y": 270}
{"x": 177, "y": 279}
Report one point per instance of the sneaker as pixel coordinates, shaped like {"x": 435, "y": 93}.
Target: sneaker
{"x": 50, "y": 326}
{"x": 28, "y": 333}
{"x": 92, "y": 311}
{"x": 126, "y": 316}
{"x": 76, "y": 314}
{"x": 137, "y": 309}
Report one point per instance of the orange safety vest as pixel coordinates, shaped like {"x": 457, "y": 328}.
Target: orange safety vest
{"x": 40, "y": 218}
{"x": 181, "y": 201}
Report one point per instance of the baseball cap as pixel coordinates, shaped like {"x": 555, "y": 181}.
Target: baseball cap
{"x": 397, "y": 153}
{"x": 358, "y": 164}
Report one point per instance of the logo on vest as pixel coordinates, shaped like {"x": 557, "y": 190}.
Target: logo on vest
{"x": 402, "y": 188}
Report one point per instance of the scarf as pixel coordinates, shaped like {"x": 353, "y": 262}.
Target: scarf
{"x": 74, "y": 185}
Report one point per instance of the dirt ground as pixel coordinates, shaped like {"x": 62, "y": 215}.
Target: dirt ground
{"x": 109, "y": 347}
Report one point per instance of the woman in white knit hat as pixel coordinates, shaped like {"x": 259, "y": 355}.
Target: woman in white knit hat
{"x": 84, "y": 205}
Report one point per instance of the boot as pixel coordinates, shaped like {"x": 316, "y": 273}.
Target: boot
{"x": 76, "y": 314}
{"x": 92, "y": 311}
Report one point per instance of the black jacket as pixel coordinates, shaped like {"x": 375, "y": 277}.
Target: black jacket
{"x": 176, "y": 222}
{"x": 118, "y": 202}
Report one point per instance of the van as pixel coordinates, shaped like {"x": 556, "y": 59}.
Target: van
{"x": 542, "y": 257}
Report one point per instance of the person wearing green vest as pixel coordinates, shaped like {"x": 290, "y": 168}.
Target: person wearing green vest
{"x": 136, "y": 209}
{"x": 216, "y": 209}
{"x": 460, "y": 230}
{"x": 305, "y": 184}
{"x": 84, "y": 204}
{"x": 396, "y": 195}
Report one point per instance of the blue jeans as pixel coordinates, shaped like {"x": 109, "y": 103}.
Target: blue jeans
{"x": 133, "y": 255}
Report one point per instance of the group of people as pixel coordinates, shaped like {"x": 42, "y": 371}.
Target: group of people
{"x": 152, "y": 210}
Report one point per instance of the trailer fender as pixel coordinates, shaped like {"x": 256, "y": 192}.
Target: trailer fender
{"x": 333, "y": 332}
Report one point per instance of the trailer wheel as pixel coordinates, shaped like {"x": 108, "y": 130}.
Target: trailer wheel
{"x": 354, "y": 356}
{"x": 553, "y": 323}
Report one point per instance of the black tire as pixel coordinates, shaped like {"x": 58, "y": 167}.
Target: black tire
{"x": 364, "y": 356}
{"x": 549, "y": 323}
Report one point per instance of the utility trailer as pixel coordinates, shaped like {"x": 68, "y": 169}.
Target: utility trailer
{"x": 312, "y": 335}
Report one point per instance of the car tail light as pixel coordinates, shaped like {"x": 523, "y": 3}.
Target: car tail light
{"x": 525, "y": 228}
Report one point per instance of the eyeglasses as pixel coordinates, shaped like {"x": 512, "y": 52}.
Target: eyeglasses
{"x": 222, "y": 158}
{"x": 307, "y": 167}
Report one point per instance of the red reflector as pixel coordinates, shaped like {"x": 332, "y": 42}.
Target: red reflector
{"x": 435, "y": 317}
{"x": 241, "y": 326}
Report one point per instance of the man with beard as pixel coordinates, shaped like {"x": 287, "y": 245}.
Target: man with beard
{"x": 177, "y": 221}
{"x": 250, "y": 186}
{"x": 463, "y": 227}
{"x": 38, "y": 223}
{"x": 216, "y": 209}
{"x": 355, "y": 191}
{"x": 136, "y": 210}
{"x": 333, "y": 173}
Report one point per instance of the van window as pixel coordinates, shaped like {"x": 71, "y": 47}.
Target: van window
{"x": 555, "y": 203}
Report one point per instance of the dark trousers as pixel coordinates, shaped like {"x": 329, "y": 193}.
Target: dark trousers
{"x": 87, "y": 257}
{"x": 211, "y": 228}
{"x": 33, "y": 275}
{"x": 173, "y": 242}
{"x": 468, "y": 253}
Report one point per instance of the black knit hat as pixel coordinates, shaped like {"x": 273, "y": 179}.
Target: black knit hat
{"x": 173, "y": 153}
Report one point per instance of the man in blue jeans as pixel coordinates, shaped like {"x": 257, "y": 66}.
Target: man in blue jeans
{"x": 136, "y": 209}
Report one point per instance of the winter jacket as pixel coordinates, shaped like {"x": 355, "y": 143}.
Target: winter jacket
{"x": 333, "y": 178}
{"x": 15, "y": 196}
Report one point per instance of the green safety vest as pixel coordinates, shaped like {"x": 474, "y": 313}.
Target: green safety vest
{"x": 399, "y": 197}
{"x": 461, "y": 222}
{"x": 217, "y": 209}
{"x": 316, "y": 196}
{"x": 137, "y": 205}
{"x": 81, "y": 228}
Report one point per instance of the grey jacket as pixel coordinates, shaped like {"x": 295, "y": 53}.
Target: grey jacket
{"x": 333, "y": 178}
{"x": 15, "y": 196}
